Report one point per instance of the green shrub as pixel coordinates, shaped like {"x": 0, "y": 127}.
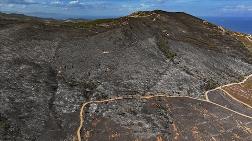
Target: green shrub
{"x": 88, "y": 24}
{"x": 3, "y": 124}
{"x": 163, "y": 46}
{"x": 240, "y": 78}
{"x": 211, "y": 84}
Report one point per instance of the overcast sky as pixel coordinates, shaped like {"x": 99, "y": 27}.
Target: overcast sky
{"x": 113, "y": 8}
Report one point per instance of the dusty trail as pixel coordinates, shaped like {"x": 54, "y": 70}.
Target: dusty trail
{"x": 221, "y": 88}
{"x": 78, "y": 133}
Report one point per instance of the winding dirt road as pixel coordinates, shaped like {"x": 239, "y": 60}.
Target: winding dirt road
{"x": 221, "y": 88}
{"x": 81, "y": 115}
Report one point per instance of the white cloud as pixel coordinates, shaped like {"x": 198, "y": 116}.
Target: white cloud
{"x": 74, "y": 2}
{"x": 56, "y": 2}
{"x": 238, "y": 8}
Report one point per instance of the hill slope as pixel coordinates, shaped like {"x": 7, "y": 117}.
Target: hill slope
{"x": 49, "y": 68}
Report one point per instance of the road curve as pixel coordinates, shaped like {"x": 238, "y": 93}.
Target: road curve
{"x": 81, "y": 115}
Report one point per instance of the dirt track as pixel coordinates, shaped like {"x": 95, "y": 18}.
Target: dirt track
{"x": 78, "y": 133}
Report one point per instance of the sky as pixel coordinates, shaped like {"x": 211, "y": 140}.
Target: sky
{"x": 116, "y": 8}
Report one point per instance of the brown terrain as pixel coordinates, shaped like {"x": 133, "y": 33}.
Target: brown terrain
{"x": 241, "y": 91}
{"x": 223, "y": 99}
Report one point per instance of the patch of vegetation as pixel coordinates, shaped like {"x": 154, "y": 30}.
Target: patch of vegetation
{"x": 86, "y": 87}
{"x": 199, "y": 41}
{"x": 240, "y": 78}
{"x": 211, "y": 84}
{"x": 3, "y": 124}
{"x": 140, "y": 13}
{"x": 89, "y": 24}
{"x": 163, "y": 46}
{"x": 244, "y": 41}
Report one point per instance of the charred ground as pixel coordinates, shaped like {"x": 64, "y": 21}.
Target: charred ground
{"x": 49, "y": 68}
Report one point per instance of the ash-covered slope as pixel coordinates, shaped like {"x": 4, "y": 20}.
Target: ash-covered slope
{"x": 49, "y": 68}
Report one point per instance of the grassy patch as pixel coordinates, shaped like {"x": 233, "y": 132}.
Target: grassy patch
{"x": 89, "y": 24}
{"x": 140, "y": 14}
{"x": 3, "y": 124}
{"x": 240, "y": 78}
{"x": 248, "y": 84}
{"x": 211, "y": 84}
{"x": 163, "y": 46}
